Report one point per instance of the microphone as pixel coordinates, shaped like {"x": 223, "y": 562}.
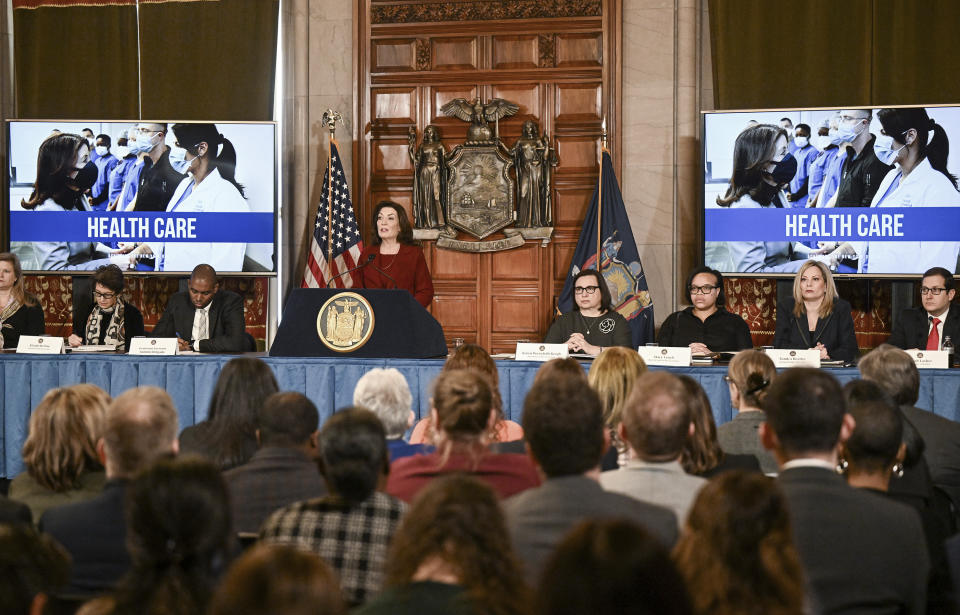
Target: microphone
{"x": 386, "y": 275}
{"x": 340, "y": 275}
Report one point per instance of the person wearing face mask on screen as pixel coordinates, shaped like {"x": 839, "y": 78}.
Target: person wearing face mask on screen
{"x": 158, "y": 179}
{"x": 119, "y": 172}
{"x": 210, "y": 187}
{"x": 799, "y": 187}
{"x": 106, "y": 163}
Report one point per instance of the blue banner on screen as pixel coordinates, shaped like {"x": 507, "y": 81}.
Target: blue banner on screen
{"x": 245, "y": 227}
{"x": 835, "y": 224}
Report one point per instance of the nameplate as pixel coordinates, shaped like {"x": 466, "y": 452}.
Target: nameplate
{"x": 671, "y": 356}
{"x": 794, "y": 357}
{"x": 155, "y": 346}
{"x": 527, "y": 351}
{"x": 930, "y": 359}
{"x": 40, "y": 344}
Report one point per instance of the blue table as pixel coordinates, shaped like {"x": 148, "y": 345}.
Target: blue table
{"x": 24, "y": 379}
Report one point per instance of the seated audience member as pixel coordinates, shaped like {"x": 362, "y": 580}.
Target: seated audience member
{"x": 702, "y": 454}
{"x": 925, "y": 327}
{"x": 593, "y": 324}
{"x": 860, "y": 552}
{"x": 33, "y": 567}
{"x": 612, "y": 375}
{"x": 706, "y": 327}
{"x": 229, "y": 435}
{"x": 352, "y": 527}
{"x": 452, "y": 555}
{"x": 463, "y": 417}
{"x": 109, "y": 320}
{"x": 140, "y": 428}
{"x": 278, "y": 579}
{"x": 736, "y": 550}
{"x": 566, "y": 438}
{"x": 386, "y": 393}
{"x": 656, "y": 424}
{"x": 13, "y": 512}
{"x": 178, "y": 535}
{"x": 284, "y": 470}
{"x": 897, "y": 374}
{"x": 870, "y": 456}
{"x": 611, "y": 566}
{"x": 816, "y": 316}
{"x": 205, "y": 318}
{"x": 568, "y": 367}
{"x": 60, "y": 452}
{"x": 748, "y": 377}
{"x": 20, "y": 312}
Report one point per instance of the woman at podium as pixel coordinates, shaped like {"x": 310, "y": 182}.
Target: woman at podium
{"x": 20, "y": 312}
{"x": 394, "y": 259}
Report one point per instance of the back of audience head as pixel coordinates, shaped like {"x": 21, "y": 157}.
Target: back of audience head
{"x": 611, "y": 566}
{"x": 456, "y": 525}
{"x": 806, "y": 411}
{"x": 656, "y": 417}
{"x": 894, "y": 371}
{"x": 33, "y": 567}
{"x": 474, "y": 357}
{"x": 569, "y": 368}
{"x": 857, "y": 392}
{"x": 288, "y": 420}
{"x": 386, "y": 393}
{"x": 462, "y": 406}
{"x": 178, "y": 531}
{"x": 353, "y": 453}
{"x": 736, "y": 550}
{"x": 141, "y": 427}
{"x": 272, "y": 578}
{"x": 612, "y": 375}
{"x": 563, "y": 426}
{"x": 64, "y": 430}
{"x": 244, "y": 384}
{"x": 702, "y": 451}
{"x": 876, "y": 443}
{"x": 751, "y": 372}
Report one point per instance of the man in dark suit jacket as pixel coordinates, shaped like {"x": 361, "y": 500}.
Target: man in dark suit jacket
{"x": 141, "y": 427}
{"x": 913, "y": 328}
{"x": 897, "y": 374}
{"x": 284, "y": 470}
{"x": 861, "y": 552}
{"x": 205, "y": 318}
{"x": 563, "y": 425}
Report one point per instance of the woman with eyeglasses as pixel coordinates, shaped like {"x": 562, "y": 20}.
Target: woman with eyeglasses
{"x": 816, "y": 316}
{"x": 706, "y": 327}
{"x": 593, "y": 324}
{"x": 109, "y": 320}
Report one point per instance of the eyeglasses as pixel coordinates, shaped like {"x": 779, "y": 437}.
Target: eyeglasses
{"x": 702, "y": 290}
{"x": 585, "y": 290}
{"x": 931, "y": 291}
{"x": 99, "y": 295}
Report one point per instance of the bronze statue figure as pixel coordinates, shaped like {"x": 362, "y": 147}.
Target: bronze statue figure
{"x": 534, "y": 160}
{"x": 430, "y": 178}
{"x": 478, "y": 114}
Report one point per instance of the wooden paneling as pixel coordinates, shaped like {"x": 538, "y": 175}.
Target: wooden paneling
{"x": 515, "y": 52}
{"x": 571, "y": 205}
{"x": 562, "y": 255}
{"x": 578, "y": 155}
{"x": 518, "y": 264}
{"x": 527, "y": 96}
{"x": 390, "y": 157}
{"x": 454, "y": 53}
{"x": 455, "y": 266}
{"x": 393, "y": 105}
{"x": 515, "y": 313}
{"x": 441, "y": 95}
{"x": 578, "y": 102}
{"x": 574, "y": 50}
{"x": 394, "y": 55}
{"x": 456, "y": 312}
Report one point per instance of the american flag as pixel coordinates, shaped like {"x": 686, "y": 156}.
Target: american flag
{"x": 341, "y": 231}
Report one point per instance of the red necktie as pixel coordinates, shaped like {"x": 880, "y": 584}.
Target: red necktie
{"x": 933, "y": 341}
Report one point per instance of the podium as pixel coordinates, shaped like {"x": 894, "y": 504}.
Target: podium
{"x": 402, "y": 328}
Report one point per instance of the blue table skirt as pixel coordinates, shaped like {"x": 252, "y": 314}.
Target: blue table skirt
{"x": 328, "y": 382}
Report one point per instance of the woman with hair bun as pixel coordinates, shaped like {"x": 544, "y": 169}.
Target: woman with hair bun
{"x": 749, "y": 376}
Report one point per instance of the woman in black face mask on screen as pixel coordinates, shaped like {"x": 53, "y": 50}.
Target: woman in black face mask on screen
{"x": 761, "y": 168}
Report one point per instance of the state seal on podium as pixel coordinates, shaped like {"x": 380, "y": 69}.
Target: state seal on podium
{"x": 345, "y": 322}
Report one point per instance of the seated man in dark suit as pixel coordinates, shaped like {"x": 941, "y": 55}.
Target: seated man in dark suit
{"x": 566, "y": 438}
{"x": 140, "y": 427}
{"x": 897, "y": 374}
{"x": 205, "y": 318}
{"x": 915, "y": 327}
{"x": 284, "y": 469}
{"x": 861, "y": 552}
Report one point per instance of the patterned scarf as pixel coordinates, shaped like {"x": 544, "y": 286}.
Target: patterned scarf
{"x": 11, "y": 308}
{"x": 114, "y": 336}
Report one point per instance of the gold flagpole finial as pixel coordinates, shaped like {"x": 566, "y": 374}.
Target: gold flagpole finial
{"x": 603, "y": 134}
{"x": 330, "y": 119}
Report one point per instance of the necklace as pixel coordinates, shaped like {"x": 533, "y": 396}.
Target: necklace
{"x": 593, "y": 321}
{"x": 392, "y": 261}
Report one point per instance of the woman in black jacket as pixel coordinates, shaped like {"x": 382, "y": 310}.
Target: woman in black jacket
{"x": 109, "y": 320}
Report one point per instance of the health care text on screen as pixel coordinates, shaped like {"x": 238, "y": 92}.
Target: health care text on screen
{"x": 816, "y": 225}
{"x": 139, "y": 228}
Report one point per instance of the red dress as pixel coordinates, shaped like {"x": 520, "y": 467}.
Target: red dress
{"x": 507, "y": 473}
{"x": 407, "y": 268}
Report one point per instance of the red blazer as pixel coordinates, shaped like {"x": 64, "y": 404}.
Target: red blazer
{"x": 408, "y": 269}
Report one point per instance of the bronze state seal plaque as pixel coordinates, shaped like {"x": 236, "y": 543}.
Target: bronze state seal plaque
{"x": 345, "y": 322}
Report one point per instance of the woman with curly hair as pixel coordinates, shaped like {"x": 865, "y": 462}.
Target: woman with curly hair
{"x": 452, "y": 555}
{"x": 736, "y": 550}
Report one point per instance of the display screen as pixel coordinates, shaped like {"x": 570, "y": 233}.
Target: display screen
{"x": 843, "y": 204}
{"x": 148, "y": 196}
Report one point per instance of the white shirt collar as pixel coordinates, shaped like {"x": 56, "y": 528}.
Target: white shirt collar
{"x": 808, "y": 462}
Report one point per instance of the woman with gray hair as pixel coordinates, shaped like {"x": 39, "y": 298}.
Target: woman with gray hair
{"x": 385, "y": 392}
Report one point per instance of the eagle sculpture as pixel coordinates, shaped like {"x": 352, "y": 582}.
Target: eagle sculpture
{"x": 478, "y": 114}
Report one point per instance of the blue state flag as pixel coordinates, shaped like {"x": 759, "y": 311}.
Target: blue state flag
{"x": 619, "y": 260}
